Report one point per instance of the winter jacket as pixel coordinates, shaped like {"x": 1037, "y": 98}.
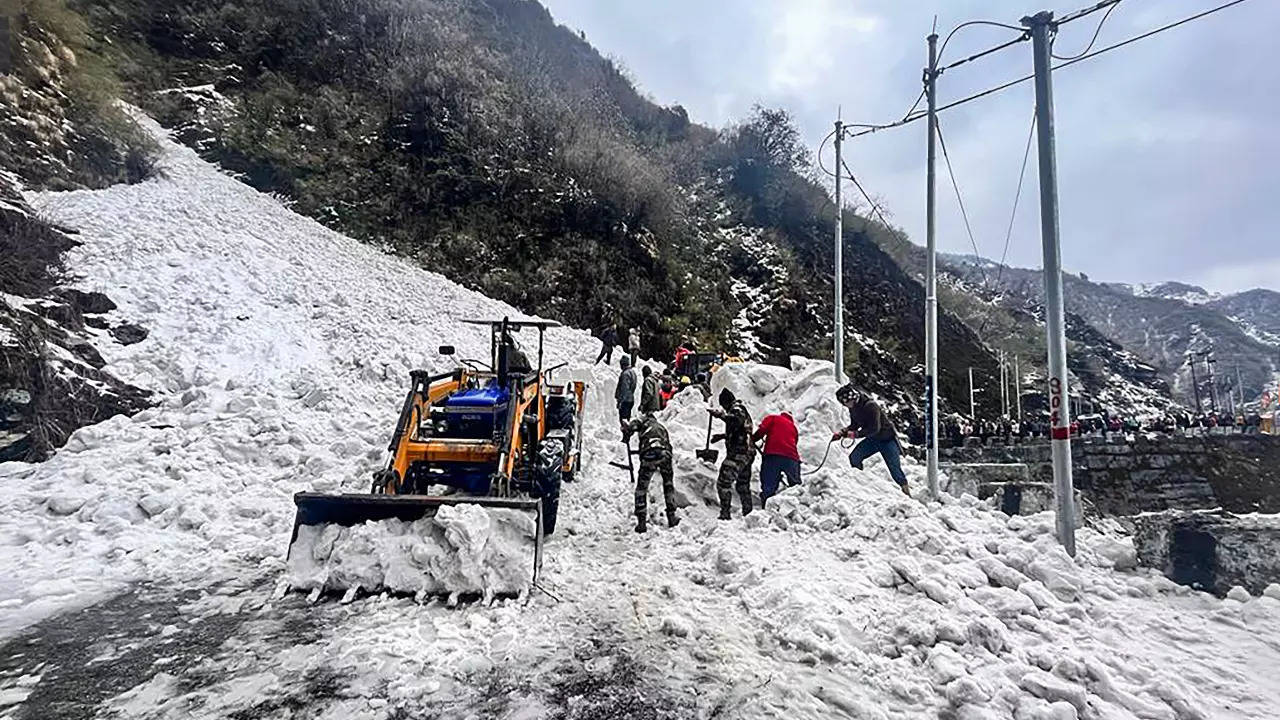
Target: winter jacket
{"x": 868, "y": 420}
{"x": 609, "y": 337}
{"x": 633, "y": 340}
{"x": 654, "y": 442}
{"x": 626, "y": 392}
{"x": 780, "y": 435}
{"x": 649, "y": 400}
{"x": 737, "y": 428}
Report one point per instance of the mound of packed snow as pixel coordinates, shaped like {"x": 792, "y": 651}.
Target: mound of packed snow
{"x": 280, "y": 352}
{"x": 458, "y": 549}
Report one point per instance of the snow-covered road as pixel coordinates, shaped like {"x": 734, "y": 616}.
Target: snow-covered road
{"x": 280, "y": 352}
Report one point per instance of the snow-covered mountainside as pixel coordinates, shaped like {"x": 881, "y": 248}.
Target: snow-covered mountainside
{"x": 1161, "y": 324}
{"x": 1256, "y": 311}
{"x": 279, "y": 351}
{"x": 1172, "y": 290}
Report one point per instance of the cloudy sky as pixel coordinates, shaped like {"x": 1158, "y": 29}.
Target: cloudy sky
{"x": 1166, "y": 155}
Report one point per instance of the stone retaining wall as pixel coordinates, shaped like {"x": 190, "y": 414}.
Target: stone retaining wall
{"x": 1240, "y": 473}
{"x": 1212, "y": 551}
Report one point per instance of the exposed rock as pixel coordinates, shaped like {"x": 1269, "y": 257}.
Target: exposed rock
{"x": 128, "y": 333}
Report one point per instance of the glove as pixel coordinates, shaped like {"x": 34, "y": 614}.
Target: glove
{"x": 837, "y": 435}
{"x": 717, "y": 438}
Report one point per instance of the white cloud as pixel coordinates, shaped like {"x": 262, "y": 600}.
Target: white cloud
{"x": 1242, "y": 276}
{"x": 804, "y": 38}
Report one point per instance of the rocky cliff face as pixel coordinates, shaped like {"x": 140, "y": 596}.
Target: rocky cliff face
{"x": 51, "y": 377}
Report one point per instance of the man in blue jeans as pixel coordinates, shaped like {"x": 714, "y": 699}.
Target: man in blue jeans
{"x": 878, "y": 436}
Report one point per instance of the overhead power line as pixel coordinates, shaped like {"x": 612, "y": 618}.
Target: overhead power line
{"x": 960, "y": 201}
{"x": 869, "y": 129}
{"x": 1113, "y": 5}
{"x": 1013, "y": 214}
{"x": 867, "y": 197}
{"x": 1085, "y": 11}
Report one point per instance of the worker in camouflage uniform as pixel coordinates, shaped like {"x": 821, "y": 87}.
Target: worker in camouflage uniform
{"x": 740, "y": 454}
{"x": 655, "y": 456}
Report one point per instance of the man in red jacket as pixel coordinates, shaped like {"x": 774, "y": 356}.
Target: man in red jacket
{"x": 780, "y": 455}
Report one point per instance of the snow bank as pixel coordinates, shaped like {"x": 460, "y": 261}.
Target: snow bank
{"x": 459, "y": 549}
{"x": 279, "y": 351}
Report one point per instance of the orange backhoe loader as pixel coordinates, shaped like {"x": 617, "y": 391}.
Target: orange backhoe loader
{"x": 499, "y": 435}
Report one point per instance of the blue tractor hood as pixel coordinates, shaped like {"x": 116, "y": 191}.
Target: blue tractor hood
{"x": 490, "y": 396}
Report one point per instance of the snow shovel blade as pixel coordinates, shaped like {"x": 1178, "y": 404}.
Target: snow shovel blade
{"x": 348, "y": 510}
{"x": 708, "y": 454}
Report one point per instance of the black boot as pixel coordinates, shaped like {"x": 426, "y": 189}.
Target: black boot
{"x": 672, "y": 520}
{"x": 724, "y": 513}
{"x": 641, "y": 524}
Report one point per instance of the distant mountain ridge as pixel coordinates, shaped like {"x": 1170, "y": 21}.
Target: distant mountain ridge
{"x": 1166, "y": 325}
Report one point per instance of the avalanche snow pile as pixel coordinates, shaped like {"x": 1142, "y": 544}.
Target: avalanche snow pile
{"x": 279, "y": 351}
{"x": 460, "y": 549}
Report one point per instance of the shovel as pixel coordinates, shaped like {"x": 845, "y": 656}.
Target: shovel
{"x": 629, "y": 467}
{"x": 708, "y": 454}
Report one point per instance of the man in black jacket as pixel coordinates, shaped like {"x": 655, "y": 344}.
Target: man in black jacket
{"x": 878, "y": 436}
{"x": 608, "y": 339}
{"x": 625, "y": 395}
{"x": 740, "y": 454}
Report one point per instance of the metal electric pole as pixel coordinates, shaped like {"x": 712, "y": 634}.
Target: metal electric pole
{"x": 1240, "y": 386}
{"x": 1004, "y": 392}
{"x": 1195, "y": 382}
{"x": 1213, "y": 383}
{"x": 1041, "y": 25}
{"x": 973, "y": 413}
{"x": 839, "y": 242}
{"x": 1017, "y": 386}
{"x": 931, "y": 279}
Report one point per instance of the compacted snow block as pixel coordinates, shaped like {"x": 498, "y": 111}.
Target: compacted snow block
{"x": 463, "y": 549}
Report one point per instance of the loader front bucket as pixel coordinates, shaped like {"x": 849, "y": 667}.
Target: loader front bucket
{"x": 415, "y": 544}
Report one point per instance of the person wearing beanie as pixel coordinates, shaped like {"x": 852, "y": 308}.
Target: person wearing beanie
{"x": 740, "y": 454}
{"x": 878, "y": 436}
{"x": 625, "y": 395}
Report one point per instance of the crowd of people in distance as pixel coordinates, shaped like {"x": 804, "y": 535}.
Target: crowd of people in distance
{"x": 955, "y": 431}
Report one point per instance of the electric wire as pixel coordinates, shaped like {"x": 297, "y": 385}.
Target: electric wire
{"x": 1013, "y": 214}
{"x": 1114, "y": 4}
{"x": 1084, "y": 11}
{"x": 960, "y": 200}
{"x": 1021, "y": 38}
{"x": 962, "y": 25}
{"x": 970, "y": 98}
{"x": 874, "y": 207}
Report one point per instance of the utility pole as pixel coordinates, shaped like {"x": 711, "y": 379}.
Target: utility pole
{"x": 1004, "y": 400}
{"x": 839, "y": 242}
{"x": 1017, "y": 387}
{"x": 973, "y": 413}
{"x": 1213, "y": 384}
{"x": 1040, "y": 25}
{"x": 1240, "y": 385}
{"x": 1195, "y": 382}
{"x": 931, "y": 278}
